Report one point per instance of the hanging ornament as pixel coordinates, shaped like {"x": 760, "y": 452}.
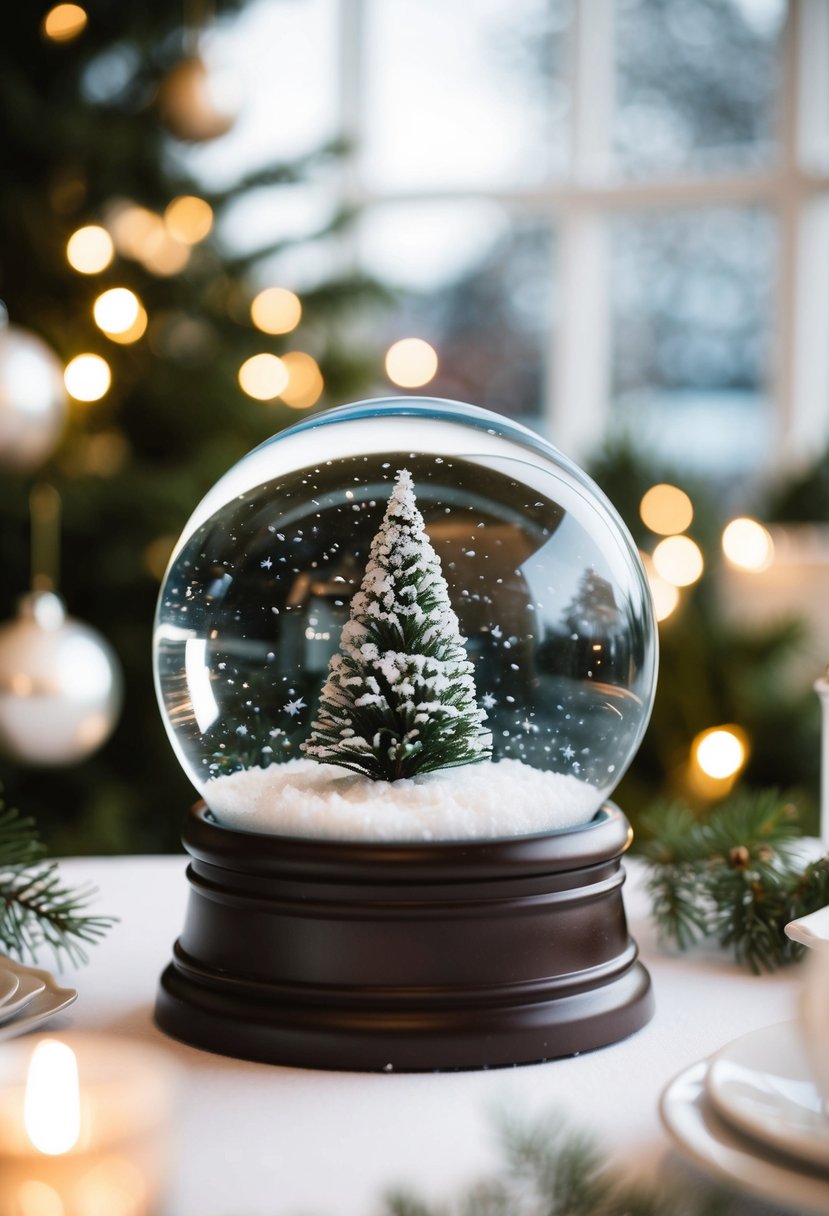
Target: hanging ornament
{"x": 60, "y": 683}
{"x": 32, "y": 398}
{"x": 60, "y": 687}
{"x": 197, "y": 104}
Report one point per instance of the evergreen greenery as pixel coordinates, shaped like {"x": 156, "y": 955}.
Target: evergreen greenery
{"x": 400, "y": 695}
{"x": 81, "y": 134}
{"x": 549, "y": 1169}
{"x": 36, "y": 909}
{"x": 714, "y": 668}
{"x": 737, "y": 877}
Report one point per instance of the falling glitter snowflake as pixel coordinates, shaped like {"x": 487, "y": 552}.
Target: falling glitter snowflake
{"x": 293, "y": 707}
{"x": 266, "y": 564}
{"x": 488, "y": 701}
{"x": 567, "y": 752}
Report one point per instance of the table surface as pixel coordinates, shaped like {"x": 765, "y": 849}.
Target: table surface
{"x": 260, "y": 1140}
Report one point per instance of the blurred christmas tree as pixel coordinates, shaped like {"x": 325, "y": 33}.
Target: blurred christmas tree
{"x": 718, "y": 673}
{"x": 94, "y": 103}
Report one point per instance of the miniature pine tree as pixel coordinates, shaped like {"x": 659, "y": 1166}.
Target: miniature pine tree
{"x": 400, "y": 695}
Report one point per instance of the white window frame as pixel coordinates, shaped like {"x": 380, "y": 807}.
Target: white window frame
{"x": 794, "y": 188}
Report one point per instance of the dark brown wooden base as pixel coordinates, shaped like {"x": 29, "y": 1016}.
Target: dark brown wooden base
{"x": 405, "y": 957}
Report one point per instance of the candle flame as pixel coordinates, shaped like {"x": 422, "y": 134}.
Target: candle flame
{"x": 52, "y": 1105}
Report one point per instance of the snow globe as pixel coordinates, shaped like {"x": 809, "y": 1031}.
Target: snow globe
{"x": 405, "y": 651}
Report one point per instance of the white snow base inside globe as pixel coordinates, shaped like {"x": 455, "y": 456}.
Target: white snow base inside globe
{"x": 474, "y": 801}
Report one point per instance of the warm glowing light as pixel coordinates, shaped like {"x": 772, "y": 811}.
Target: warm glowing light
{"x": 116, "y": 311}
{"x": 665, "y": 596}
{"x": 748, "y": 545}
{"x": 666, "y": 509}
{"x": 678, "y": 560}
{"x": 188, "y": 219}
{"x": 52, "y": 1103}
{"x": 64, "y": 22}
{"x": 113, "y": 1187}
{"x": 411, "y": 362}
{"x": 133, "y": 228}
{"x": 90, "y": 249}
{"x": 305, "y": 382}
{"x": 87, "y": 377}
{"x": 276, "y": 310}
{"x": 142, "y": 235}
{"x": 35, "y": 1198}
{"x": 263, "y": 377}
{"x": 135, "y": 331}
{"x": 163, "y": 255}
{"x": 720, "y": 752}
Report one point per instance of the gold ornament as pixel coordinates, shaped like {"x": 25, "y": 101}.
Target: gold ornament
{"x": 191, "y": 103}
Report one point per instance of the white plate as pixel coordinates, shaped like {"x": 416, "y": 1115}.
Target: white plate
{"x": 718, "y": 1149}
{"x": 763, "y": 1085}
{"x": 9, "y": 983}
{"x": 30, "y": 986}
{"x": 49, "y": 1001}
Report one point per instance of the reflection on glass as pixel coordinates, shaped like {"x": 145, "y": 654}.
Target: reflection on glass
{"x": 696, "y": 83}
{"x": 464, "y": 94}
{"x": 691, "y": 307}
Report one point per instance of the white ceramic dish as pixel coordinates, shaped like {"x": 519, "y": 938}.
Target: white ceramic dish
{"x": 9, "y": 983}
{"x": 718, "y": 1149}
{"x": 51, "y": 999}
{"x": 762, "y": 1085}
{"x": 30, "y": 986}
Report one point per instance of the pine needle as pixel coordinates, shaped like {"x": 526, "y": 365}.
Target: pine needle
{"x": 734, "y": 878}
{"x": 36, "y": 909}
{"x": 550, "y": 1170}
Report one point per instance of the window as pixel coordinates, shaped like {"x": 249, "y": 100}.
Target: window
{"x": 603, "y": 214}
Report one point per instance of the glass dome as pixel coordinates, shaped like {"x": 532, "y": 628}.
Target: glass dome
{"x": 546, "y": 583}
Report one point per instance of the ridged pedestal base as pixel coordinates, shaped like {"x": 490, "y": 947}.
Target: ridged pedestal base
{"x": 405, "y": 957}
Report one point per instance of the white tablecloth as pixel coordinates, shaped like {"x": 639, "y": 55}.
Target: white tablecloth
{"x": 258, "y": 1140}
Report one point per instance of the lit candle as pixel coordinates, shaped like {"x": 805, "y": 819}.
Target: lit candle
{"x": 84, "y": 1127}
{"x": 822, "y": 690}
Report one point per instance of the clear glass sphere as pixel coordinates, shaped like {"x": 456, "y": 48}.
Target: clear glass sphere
{"x": 545, "y": 580}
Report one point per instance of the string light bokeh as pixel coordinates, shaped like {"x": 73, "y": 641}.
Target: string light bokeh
{"x": 87, "y": 377}
{"x": 411, "y": 363}
{"x": 748, "y": 545}
{"x": 90, "y": 249}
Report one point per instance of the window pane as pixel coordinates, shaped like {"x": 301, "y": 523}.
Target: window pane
{"x": 283, "y": 60}
{"x": 461, "y": 94}
{"x": 477, "y": 285}
{"x": 696, "y": 83}
{"x": 691, "y": 305}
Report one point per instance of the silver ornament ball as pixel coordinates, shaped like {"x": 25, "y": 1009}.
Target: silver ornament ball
{"x": 60, "y": 685}
{"x": 32, "y": 399}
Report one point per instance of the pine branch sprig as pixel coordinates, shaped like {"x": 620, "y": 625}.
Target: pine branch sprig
{"x": 735, "y": 878}
{"x": 552, "y": 1170}
{"x": 37, "y": 909}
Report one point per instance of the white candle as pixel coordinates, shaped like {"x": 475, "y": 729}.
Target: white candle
{"x": 822, "y": 690}
{"x": 84, "y": 1127}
